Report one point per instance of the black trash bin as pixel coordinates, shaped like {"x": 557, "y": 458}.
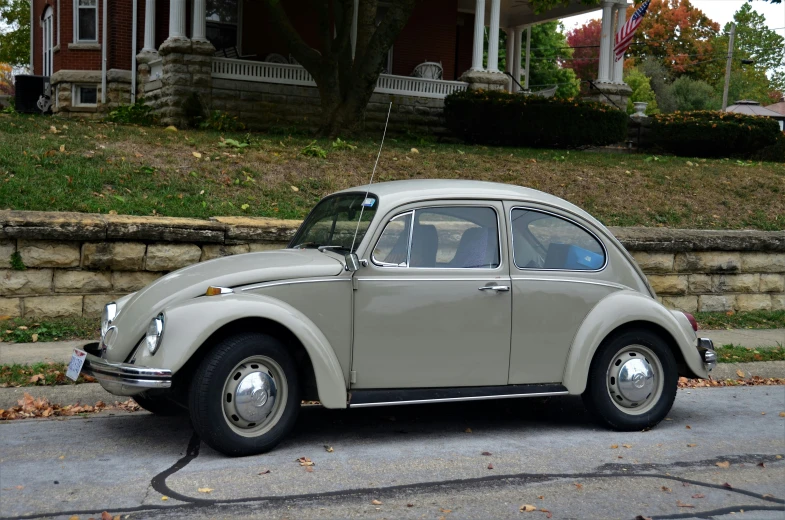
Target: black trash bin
{"x": 29, "y": 90}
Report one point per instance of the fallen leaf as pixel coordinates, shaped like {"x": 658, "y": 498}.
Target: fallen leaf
{"x": 205, "y": 490}
{"x": 34, "y": 337}
{"x": 305, "y": 461}
{"x": 548, "y": 514}
{"x": 726, "y": 485}
{"x": 541, "y": 497}
{"x": 778, "y": 456}
{"x": 74, "y": 517}
{"x": 527, "y": 508}
{"x": 265, "y": 472}
{"x": 740, "y": 373}
{"x": 36, "y": 378}
{"x": 768, "y": 495}
{"x": 641, "y": 517}
{"x": 197, "y": 155}
{"x": 164, "y": 498}
{"x": 409, "y": 505}
{"x": 666, "y": 489}
{"x": 627, "y": 445}
{"x": 762, "y": 464}
{"x": 20, "y": 487}
{"x": 698, "y": 495}
{"x": 490, "y": 466}
{"x": 170, "y": 128}
{"x": 691, "y": 445}
{"x": 468, "y": 430}
{"x": 724, "y": 464}
{"x": 106, "y": 516}
{"x": 579, "y": 486}
{"x": 689, "y": 427}
{"x": 614, "y": 446}
{"x": 442, "y": 510}
{"x": 376, "y": 502}
{"x": 61, "y": 457}
{"x": 414, "y": 150}
{"x": 682, "y": 504}
{"x": 487, "y": 453}
{"x": 782, "y": 414}
{"x": 295, "y": 188}
{"x": 328, "y": 449}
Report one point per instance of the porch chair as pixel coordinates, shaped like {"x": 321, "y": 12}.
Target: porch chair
{"x": 275, "y": 58}
{"x": 546, "y": 93}
{"x": 428, "y": 70}
{"x": 232, "y": 52}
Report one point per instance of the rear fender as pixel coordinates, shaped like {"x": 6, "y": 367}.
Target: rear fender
{"x": 189, "y": 324}
{"x": 617, "y": 310}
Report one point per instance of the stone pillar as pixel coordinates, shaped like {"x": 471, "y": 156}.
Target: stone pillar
{"x": 199, "y": 31}
{"x": 618, "y": 66}
{"x": 176, "y": 19}
{"x": 516, "y": 60}
{"x": 149, "y": 26}
{"x": 493, "y": 36}
{"x": 606, "y": 46}
{"x": 479, "y": 35}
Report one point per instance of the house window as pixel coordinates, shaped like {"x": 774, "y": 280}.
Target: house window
{"x": 222, "y": 23}
{"x": 86, "y": 20}
{"x": 85, "y": 96}
{"x": 47, "y": 34}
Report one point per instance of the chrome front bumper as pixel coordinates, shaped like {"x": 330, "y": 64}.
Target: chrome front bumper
{"x": 708, "y": 355}
{"x": 112, "y": 375}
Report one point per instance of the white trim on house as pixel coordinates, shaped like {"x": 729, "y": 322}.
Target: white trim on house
{"x": 76, "y": 37}
{"x": 76, "y": 95}
{"x": 284, "y": 73}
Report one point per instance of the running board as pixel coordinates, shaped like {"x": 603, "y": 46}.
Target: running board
{"x": 362, "y": 398}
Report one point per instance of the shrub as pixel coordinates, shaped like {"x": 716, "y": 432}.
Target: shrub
{"x": 694, "y": 94}
{"x": 222, "y": 122}
{"x": 492, "y": 117}
{"x": 774, "y": 152}
{"x": 713, "y": 134}
{"x": 136, "y": 114}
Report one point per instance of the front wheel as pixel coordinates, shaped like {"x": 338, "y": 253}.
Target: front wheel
{"x": 244, "y": 397}
{"x": 632, "y": 381}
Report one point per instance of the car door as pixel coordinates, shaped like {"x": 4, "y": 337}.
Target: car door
{"x": 432, "y": 308}
{"x": 559, "y": 272}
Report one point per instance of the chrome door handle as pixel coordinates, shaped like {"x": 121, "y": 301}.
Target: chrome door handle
{"x": 495, "y": 288}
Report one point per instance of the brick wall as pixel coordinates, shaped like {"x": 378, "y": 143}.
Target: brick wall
{"x": 76, "y": 263}
{"x": 429, "y": 35}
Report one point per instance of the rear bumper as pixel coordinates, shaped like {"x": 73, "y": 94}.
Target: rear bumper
{"x": 125, "y": 378}
{"x": 708, "y": 355}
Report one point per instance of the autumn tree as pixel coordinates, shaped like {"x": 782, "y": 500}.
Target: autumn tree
{"x": 6, "y": 80}
{"x": 680, "y": 36}
{"x": 585, "y": 41}
{"x": 15, "y": 32}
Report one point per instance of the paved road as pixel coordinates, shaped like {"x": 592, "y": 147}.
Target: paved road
{"x": 423, "y": 456}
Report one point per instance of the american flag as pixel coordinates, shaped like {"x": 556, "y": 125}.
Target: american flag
{"x": 625, "y": 34}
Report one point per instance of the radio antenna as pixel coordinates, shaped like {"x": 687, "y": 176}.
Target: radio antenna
{"x": 362, "y": 206}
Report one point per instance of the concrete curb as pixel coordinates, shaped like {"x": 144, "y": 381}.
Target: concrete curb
{"x": 758, "y": 368}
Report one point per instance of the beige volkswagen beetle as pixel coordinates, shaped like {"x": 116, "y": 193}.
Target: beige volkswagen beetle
{"x": 405, "y": 292}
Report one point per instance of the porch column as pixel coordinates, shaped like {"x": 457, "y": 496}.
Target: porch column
{"x": 199, "y": 31}
{"x": 516, "y": 58}
{"x": 479, "y": 35}
{"x": 176, "y": 19}
{"x": 606, "y": 47}
{"x": 493, "y": 36}
{"x": 528, "y": 54}
{"x": 509, "y": 56}
{"x": 149, "y": 26}
{"x": 354, "y": 26}
{"x": 618, "y": 66}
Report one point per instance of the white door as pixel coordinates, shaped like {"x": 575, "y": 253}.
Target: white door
{"x": 47, "y": 42}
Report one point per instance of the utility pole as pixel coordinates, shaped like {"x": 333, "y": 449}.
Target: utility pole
{"x": 727, "y": 66}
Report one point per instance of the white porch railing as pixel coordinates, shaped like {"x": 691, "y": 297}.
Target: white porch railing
{"x": 264, "y": 72}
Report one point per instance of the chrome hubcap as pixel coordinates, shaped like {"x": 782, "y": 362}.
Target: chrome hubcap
{"x": 254, "y": 396}
{"x": 634, "y": 379}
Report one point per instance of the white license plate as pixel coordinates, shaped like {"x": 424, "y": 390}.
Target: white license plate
{"x": 75, "y": 366}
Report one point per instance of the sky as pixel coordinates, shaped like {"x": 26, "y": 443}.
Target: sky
{"x": 721, "y": 11}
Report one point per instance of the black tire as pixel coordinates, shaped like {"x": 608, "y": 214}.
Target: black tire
{"x": 159, "y": 406}
{"x": 210, "y": 405}
{"x": 617, "y": 411}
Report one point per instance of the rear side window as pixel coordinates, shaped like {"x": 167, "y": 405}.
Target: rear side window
{"x": 545, "y": 241}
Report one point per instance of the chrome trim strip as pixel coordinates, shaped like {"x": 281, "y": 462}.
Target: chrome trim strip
{"x": 572, "y": 280}
{"x": 455, "y": 399}
{"x": 424, "y": 279}
{"x": 568, "y": 219}
{"x": 127, "y": 374}
{"x": 291, "y": 282}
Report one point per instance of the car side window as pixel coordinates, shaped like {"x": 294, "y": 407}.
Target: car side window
{"x": 545, "y": 241}
{"x": 449, "y": 237}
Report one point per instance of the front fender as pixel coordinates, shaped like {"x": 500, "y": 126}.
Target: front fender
{"x": 613, "y": 311}
{"x": 189, "y": 324}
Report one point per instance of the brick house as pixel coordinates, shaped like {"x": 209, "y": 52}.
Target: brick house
{"x": 227, "y": 53}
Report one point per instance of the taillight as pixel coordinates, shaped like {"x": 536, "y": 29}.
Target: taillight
{"x": 692, "y": 321}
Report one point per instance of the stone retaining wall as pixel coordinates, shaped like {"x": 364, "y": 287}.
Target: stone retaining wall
{"x": 75, "y": 263}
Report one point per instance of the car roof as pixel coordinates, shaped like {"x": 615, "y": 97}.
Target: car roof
{"x": 396, "y": 193}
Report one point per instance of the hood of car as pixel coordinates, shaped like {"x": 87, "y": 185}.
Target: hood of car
{"x": 135, "y": 313}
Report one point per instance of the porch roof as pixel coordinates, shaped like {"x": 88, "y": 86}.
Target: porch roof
{"x": 516, "y": 13}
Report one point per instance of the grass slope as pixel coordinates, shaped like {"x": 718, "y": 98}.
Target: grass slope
{"x": 102, "y": 167}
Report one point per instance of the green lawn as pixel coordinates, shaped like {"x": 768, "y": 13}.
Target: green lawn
{"x": 103, "y": 167}
{"x": 737, "y": 354}
{"x": 741, "y": 320}
{"x": 29, "y": 330}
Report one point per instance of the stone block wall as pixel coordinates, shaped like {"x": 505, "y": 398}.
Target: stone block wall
{"x": 76, "y": 263}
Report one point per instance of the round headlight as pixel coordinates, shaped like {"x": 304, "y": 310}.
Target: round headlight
{"x": 107, "y": 316}
{"x": 154, "y": 332}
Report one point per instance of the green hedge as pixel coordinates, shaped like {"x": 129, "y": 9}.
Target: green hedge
{"x": 708, "y": 133}
{"x": 499, "y": 118}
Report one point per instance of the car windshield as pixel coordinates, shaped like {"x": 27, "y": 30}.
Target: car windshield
{"x": 332, "y": 223}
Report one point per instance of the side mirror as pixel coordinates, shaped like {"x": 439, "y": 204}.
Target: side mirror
{"x": 352, "y": 262}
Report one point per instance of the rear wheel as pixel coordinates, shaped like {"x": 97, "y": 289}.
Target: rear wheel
{"x": 244, "y": 396}
{"x": 632, "y": 381}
